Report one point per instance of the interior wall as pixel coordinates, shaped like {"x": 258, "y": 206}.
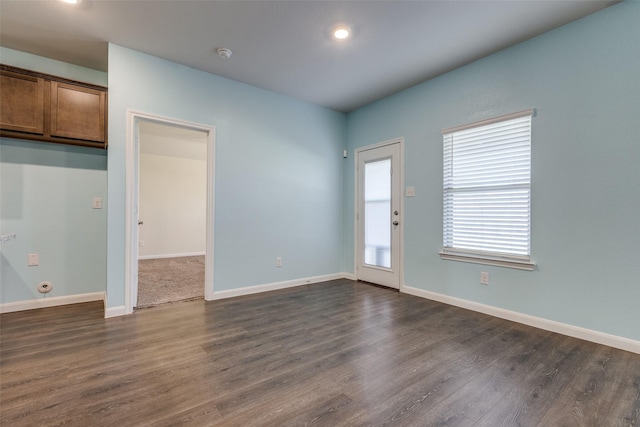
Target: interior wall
{"x": 41, "y": 64}
{"x": 173, "y": 197}
{"x": 278, "y": 171}
{"x": 582, "y": 79}
{"x": 46, "y": 194}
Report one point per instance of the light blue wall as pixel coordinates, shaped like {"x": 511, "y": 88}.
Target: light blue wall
{"x": 50, "y": 66}
{"x": 278, "y": 171}
{"x": 584, "y": 81}
{"x": 46, "y": 192}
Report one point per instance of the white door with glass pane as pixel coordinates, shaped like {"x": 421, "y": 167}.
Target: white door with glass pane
{"x": 378, "y": 214}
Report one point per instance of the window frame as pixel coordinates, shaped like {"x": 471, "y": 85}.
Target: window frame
{"x": 499, "y": 259}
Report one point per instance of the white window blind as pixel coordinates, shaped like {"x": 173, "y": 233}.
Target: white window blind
{"x": 487, "y": 184}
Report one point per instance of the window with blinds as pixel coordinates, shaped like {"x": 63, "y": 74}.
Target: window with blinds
{"x": 487, "y": 191}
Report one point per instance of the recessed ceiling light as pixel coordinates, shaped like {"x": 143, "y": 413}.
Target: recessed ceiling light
{"x": 71, "y": 1}
{"x": 341, "y": 32}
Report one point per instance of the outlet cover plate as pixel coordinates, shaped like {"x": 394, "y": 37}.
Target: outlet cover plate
{"x": 484, "y": 278}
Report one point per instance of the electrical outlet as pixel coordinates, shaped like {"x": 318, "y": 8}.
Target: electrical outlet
{"x": 484, "y": 278}
{"x": 279, "y": 261}
{"x": 97, "y": 203}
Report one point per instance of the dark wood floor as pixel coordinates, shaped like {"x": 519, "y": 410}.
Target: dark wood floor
{"x": 337, "y": 353}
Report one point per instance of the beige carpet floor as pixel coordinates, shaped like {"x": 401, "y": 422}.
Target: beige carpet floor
{"x": 166, "y": 280}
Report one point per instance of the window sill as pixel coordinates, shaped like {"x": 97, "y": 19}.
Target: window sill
{"x": 520, "y": 263}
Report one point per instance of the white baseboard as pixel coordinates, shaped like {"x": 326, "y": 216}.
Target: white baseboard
{"x": 171, "y": 255}
{"x": 277, "y": 285}
{"x": 349, "y": 276}
{"x": 537, "y": 322}
{"x": 114, "y": 311}
{"x": 50, "y": 302}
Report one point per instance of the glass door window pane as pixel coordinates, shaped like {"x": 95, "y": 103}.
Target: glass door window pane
{"x": 377, "y": 213}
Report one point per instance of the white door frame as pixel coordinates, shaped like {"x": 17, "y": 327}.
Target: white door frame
{"x": 132, "y": 166}
{"x": 357, "y": 236}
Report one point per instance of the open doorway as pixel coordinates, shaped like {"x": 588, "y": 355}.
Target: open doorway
{"x": 170, "y": 184}
{"x": 172, "y": 194}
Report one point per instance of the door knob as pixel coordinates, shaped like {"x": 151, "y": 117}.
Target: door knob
{"x": 395, "y": 213}
{"x": 140, "y": 222}
{"x": 395, "y": 223}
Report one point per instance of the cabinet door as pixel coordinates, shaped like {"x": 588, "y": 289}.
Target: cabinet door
{"x": 21, "y": 103}
{"x": 77, "y": 112}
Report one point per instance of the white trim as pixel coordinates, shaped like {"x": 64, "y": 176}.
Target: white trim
{"x": 211, "y": 191}
{"x": 520, "y": 263}
{"x": 537, "y": 322}
{"x": 131, "y": 225}
{"x": 349, "y": 276}
{"x": 50, "y": 302}
{"x": 530, "y": 112}
{"x": 130, "y": 238}
{"x": 391, "y": 141}
{"x": 402, "y": 228}
{"x": 278, "y": 285}
{"x": 357, "y": 151}
{"x": 162, "y": 256}
{"x": 115, "y": 311}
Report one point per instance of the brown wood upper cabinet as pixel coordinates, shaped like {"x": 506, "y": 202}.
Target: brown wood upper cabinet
{"x": 21, "y": 103}
{"x": 77, "y": 112}
{"x": 41, "y": 107}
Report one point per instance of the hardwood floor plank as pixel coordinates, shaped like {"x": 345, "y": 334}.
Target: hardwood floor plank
{"x": 528, "y": 400}
{"x": 235, "y": 403}
{"x": 424, "y": 393}
{"x": 583, "y": 394}
{"x": 482, "y": 392}
{"x": 624, "y": 408}
{"x": 339, "y": 353}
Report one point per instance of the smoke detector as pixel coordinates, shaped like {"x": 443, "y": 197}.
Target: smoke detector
{"x": 224, "y": 52}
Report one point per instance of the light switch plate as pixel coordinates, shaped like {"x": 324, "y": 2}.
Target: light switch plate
{"x": 33, "y": 260}
{"x": 410, "y": 192}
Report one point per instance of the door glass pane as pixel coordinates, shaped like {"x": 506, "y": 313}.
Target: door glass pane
{"x": 377, "y": 213}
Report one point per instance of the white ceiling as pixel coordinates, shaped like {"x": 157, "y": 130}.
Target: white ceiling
{"x": 285, "y": 46}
